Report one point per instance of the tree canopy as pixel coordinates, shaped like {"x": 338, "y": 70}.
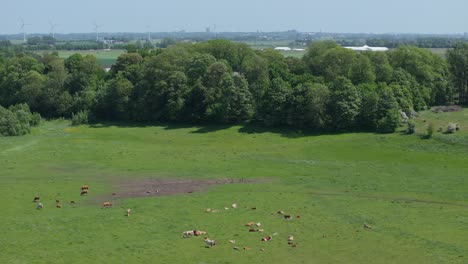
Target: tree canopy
{"x": 330, "y": 88}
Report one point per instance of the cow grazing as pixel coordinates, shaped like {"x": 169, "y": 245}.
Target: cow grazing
{"x": 84, "y": 192}
{"x": 36, "y": 199}
{"x": 199, "y": 233}
{"x": 84, "y": 187}
{"x": 287, "y": 217}
{"x": 72, "y": 202}
{"x": 258, "y": 224}
{"x": 290, "y": 239}
{"x": 234, "y": 206}
{"x": 367, "y": 226}
{"x": 232, "y": 241}
{"x": 246, "y": 248}
{"x": 129, "y": 211}
{"x": 209, "y": 242}
{"x": 57, "y": 201}
{"x": 267, "y": 238}
{"x": 189, "y": 233}
{"x": 106, "y": 205}
{"x": 249, "y": 224}
{"x": 59, "y": 205}
{"x": 280, "y": 212}
{"x": 39, "y": 206}
{"x": 252, "y": 230}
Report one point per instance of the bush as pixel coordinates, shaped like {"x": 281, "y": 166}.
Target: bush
{"x": 411, "y": 127}
{"x": 24, "y": 119}
{"x": 17, "y": 120}
{"x": 389, "y": 122}
{"x": 9, "y": 123}
{"x": 80, "y": 118}
{"x": 430, "y": 130}
{"x": 35, "y": 119}
{"x": 451, "y": 128}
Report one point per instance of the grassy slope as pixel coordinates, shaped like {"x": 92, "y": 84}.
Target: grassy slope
{"x": 335, "y": 182}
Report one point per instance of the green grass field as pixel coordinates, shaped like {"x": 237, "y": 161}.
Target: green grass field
{"x": 414, "y": 193}
{"x": 104, "y": 57}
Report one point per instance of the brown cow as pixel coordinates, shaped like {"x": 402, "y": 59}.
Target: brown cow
{"x": 249, "y": 224}
{"x": 188, "y": 233}
{"x": 84, "y": 187}
{"x": 36, "y": 199}
{"x": 84, "y": 192}
{"x": 106, "y": 205}
{"x": 199, "y": 233}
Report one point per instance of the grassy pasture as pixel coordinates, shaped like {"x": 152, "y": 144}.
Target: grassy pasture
{"x": 104, "y": 57}
{"x": 412, "y": 191}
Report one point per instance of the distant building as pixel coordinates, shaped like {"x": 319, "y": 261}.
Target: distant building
{"x": 367, "y": 48}
{"x": 283, "y": 48}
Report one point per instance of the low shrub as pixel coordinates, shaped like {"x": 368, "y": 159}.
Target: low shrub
{"x": 17, "y": 120}
{"x": 80, "y": 118}
{"x": 411, "y": 127}
{"x": 429, "y": 130}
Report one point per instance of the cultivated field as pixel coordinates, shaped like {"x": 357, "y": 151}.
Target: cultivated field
{"x": 104, "y": 57}
{"x": 411, "y": 191}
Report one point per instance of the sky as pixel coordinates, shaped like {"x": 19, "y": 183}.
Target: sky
{"x": 346, "y": 16}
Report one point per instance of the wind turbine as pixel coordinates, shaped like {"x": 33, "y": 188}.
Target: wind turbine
{"x": 149, "y": 33}
{"x": 52, "y": 28}
{"x": 96, "y": 28}
{"x": 214, "y": 30}
{"x": 22, "y": 29}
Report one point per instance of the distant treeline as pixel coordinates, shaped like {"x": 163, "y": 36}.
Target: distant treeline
{"x": 421, "y": 42}
{"x": 218, "y": 81}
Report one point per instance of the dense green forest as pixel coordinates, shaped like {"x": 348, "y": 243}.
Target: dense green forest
{"x": 218, "y": 81}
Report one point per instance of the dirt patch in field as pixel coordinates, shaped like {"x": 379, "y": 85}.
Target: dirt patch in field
{"x": 164, "y": 187}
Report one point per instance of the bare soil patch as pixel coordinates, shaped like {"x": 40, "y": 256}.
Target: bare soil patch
{"x": 163, "y": 187}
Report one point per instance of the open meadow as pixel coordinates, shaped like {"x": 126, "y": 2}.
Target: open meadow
{"x": 412, "y": 192}
{"x": 104, "y": 57}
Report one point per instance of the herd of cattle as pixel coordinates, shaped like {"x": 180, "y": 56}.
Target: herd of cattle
{"x": 84, "y": 191}
{"x": 253, "y": 226}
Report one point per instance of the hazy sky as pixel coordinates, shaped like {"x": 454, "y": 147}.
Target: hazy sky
{"x": 363, "y": 16}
